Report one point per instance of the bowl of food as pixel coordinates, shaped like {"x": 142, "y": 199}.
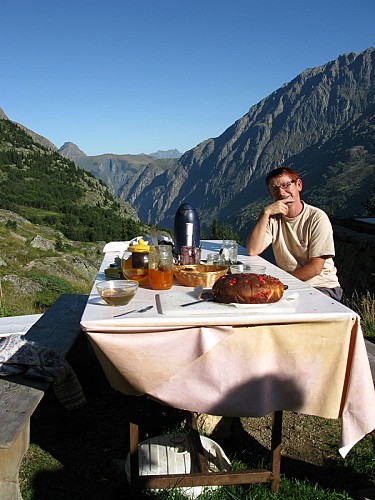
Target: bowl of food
{"x": 117, "y": 292}
{"x": 199, "y": 274}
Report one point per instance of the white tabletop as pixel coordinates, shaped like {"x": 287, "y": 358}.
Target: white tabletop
{"x": 310, "y": 304}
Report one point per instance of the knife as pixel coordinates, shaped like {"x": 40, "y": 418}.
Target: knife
{"x": 195, "y": 302}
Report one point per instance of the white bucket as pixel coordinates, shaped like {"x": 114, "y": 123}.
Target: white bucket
{"x": 170, "y": 454}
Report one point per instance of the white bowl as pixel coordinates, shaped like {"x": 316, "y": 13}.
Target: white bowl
{"x": 240, "y": 268}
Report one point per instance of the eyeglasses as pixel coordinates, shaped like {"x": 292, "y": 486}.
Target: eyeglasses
{"x": 285, "y": 185}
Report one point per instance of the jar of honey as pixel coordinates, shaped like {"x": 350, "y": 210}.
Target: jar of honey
{"x": 135, "y": 265}
{"x": 160, "y": 267}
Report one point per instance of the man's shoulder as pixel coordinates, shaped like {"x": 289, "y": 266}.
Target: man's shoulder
{"x": 310, "y": 211}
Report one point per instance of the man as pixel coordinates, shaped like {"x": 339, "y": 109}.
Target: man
{"x": 301, "y": 235}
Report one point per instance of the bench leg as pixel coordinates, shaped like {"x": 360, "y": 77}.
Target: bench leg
{"x": 10, "y": 460}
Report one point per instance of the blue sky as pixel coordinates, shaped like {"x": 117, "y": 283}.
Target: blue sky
{"x": 133, "y": 76}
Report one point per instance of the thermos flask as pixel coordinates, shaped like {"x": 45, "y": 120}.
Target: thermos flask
{"x": 185, "y": 214}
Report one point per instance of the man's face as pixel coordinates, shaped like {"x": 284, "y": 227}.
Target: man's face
{"x": 285, "y": 188}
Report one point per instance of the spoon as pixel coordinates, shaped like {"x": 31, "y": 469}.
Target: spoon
{"x": 144, "y": 309}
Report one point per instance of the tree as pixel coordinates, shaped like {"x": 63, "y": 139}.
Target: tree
{"x": 223, "y": 232}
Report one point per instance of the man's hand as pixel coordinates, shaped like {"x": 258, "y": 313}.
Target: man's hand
{"x": 278, "y": 207}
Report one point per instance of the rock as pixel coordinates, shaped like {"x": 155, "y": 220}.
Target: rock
{"x": 214, "y": 426}
{"x": 22, "y": 285}
{"x": 42, "y": 243}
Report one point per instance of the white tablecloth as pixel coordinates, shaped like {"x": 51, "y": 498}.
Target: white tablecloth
{"x": 307, "y": 356}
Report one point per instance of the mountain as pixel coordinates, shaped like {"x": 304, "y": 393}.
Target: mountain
{"x": 118, "y": 171}
{"x": 170, "y": 153}
{"x": 321, "y": 123}
{"x": 71, "y": 151}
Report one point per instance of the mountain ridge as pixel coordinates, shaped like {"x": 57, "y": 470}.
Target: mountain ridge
{"x": 224, "y": 176}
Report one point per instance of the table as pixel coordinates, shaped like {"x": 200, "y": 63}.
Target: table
{"x": 305, "y": 355}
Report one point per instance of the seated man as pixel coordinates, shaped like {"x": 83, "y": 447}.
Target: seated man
{"x": 301, "y": 235}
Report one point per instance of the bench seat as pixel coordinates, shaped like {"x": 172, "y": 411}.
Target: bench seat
{"x": 57, "y": 329}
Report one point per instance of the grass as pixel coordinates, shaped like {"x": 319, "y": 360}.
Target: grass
{"x": 364, "y": 305}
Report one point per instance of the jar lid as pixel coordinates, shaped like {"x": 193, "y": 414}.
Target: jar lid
{"x": 141, "y": 246}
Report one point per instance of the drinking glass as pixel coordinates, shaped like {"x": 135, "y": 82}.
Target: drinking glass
{"x": 190, "y": 255}
{"x": 160, "y": 267}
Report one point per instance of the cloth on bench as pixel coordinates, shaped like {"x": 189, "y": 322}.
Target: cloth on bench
{"x": 21, "y": 356}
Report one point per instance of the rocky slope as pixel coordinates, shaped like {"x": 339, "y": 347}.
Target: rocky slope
{"x": 36, "y": 137}
{"x": 38, "y": 263}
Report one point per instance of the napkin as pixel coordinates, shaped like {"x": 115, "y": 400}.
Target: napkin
{"x": 21, "y": 356}
{"x": 116, "y": 246}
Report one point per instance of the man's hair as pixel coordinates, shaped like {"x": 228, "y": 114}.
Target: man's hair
{"x": 277, "y": 172}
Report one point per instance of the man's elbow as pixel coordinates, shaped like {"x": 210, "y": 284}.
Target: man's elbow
{"x": 252, "y": 252}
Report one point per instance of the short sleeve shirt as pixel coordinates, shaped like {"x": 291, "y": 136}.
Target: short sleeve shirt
{"x": 295, "y": 240}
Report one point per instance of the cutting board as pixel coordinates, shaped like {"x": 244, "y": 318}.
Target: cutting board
{"x": 170, "y": 305}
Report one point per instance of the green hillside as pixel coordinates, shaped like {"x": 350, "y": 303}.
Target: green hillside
{"x": 48, "y": 189}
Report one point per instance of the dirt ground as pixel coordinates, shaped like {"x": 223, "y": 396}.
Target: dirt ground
{"x": 85, "y": 450}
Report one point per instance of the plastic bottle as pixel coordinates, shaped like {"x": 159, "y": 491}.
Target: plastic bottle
{"x": 186, "y": 213}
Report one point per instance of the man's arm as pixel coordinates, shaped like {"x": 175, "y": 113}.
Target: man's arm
{"x": 255, "y": 243}
{"x": 312, "y": 268}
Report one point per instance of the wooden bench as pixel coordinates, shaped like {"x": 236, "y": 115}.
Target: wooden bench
{"x": 57, "y": 329}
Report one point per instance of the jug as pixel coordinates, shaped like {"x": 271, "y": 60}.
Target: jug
{"x": 135, "y": 266}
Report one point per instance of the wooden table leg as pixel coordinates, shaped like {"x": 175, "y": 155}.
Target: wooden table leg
{"x": 276, "y": 449}
{"x": 197, "y": 453}
{"x": 133, "y": 448}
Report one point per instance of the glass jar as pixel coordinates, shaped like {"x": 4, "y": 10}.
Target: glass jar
{"x": 135, "y": 265}
{"x": 160, "y": 267}
{"x": 229, "y": 252}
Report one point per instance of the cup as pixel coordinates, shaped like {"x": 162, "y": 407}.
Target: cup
{"x": 160, "y": 267}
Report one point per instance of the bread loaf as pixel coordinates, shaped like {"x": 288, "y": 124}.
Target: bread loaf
{"x": 247, "y": 289}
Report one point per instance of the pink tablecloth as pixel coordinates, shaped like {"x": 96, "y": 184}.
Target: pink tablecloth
{"x": 249, "y": 371}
